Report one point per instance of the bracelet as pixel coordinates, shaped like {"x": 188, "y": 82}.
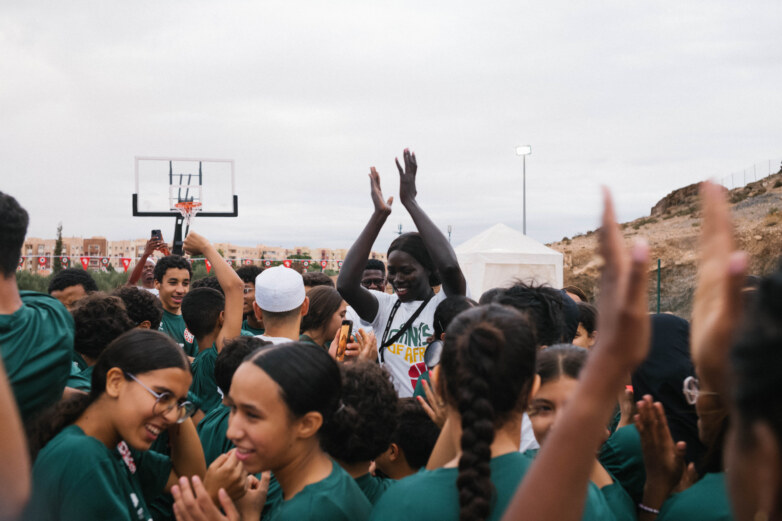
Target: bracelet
{"x": 648, "y": 509}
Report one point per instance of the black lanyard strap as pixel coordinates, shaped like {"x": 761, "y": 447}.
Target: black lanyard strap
{"x": 385, "y": 343}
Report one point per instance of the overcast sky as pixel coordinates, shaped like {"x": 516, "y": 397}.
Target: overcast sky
{"x": 645, "y": 97}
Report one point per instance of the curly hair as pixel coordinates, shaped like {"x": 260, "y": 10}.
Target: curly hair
{"x": 141, "y": 305}
{"x": 207, "y": 282}
{"x": 488, "y": 365}
{"x": 98, "y": 319}
{"x": 324, "y": 302}
{"x": 313, "y": 279}
{"x": 544, "y": 307}
{"x": 362, "y": 426}
{"x": 248, "y": 273}
{"x": 72, "y": 277}
{"x": 13, "y": 227}
{"x": 415, "y": 432}
{"x": 171, "y": 261}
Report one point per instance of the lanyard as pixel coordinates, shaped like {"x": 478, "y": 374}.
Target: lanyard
{"x": 385, "y": 343}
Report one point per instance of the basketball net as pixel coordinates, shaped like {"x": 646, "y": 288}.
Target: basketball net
{"x": 188, "y": 209}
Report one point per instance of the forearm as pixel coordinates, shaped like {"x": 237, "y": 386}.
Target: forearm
{"x": 568, "y": 455}
{"x": 137, "y": 269}
{"x": 439, "y": 249}
{"x": 233, "y": 287}
{"x": 15, "y": 473}
{"x": 187, "y": 455}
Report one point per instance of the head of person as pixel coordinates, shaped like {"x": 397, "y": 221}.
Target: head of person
{"x": 139, "y": 389}
{"x": 542, "y": 305}
{"x": 148, "y": 273}
{"x": 490, "y": 295}
{"x": 70, "y": 285}
{"x": 204, "y": 311}
{"x": 207, "y": 282}
{"x": 231, "y": 357}
{"x": 374, "y": 276}
{"x": 586, "y": 334}
{"x": 447, "y": 310}
{"x": 282, "y": 400}
{"x": 558, "y": 367}
{"x": 486, "y": 374}
{"x": 326, "y": 312}
{"x": 314, "y": 279}
{"x": 362, "y": 425}
{"x": 280, "y": 298}
{"x": 411, "y": 271}
{"x": 98, "y": 319}
{"x": 662, "y": 375}
{"x": 172, "y": 279}
{"x": 753, "y": 452}
{"x": 411, "y": 442}
{"x": 143, "y": 308}
{"x": 576, "y": 293}
{"x": 13, "y": 227}
{"x": 248, "y": 274}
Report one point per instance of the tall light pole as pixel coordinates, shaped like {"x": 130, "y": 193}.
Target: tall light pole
{"x": 524, "y": 151}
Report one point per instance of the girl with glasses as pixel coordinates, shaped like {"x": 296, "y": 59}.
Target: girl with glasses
{"x": 92, "y": 459}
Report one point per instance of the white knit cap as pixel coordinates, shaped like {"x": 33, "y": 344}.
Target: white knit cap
{"x": 279, "y": 289}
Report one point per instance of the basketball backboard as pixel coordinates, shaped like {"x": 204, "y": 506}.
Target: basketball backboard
{"x": 161, "y": 182}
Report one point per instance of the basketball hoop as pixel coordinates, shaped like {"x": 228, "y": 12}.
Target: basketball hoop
{"x": 188, "y": 209}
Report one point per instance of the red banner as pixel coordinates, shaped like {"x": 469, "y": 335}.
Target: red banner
{"x": 267, "y": 263}
{"x": 105, "y": 261}
{"x": 85, "y": 262}
{"x": 208, "y": 265}
{"x": 125, "y": 263}
{"x": 339, "y": 264}
{"x": 230, "y": 262}
{"x": 248, "y": 262}
{"x": 42, "y": 261}
{"x": 21, "y": 262}
{"x": 323, "y": 264}
{"x": 287, "y": 263}
{"x": 65, "y": 261}
{"x": 305, "y": 263}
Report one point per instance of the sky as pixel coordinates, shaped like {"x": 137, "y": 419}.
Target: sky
{"x": 644, "y": 97}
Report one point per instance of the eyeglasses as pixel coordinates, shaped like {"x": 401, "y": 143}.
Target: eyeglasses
{"x": 692, "y": 389}
{"x": 248, "y": 289}
{"x": 166, "y": 402}
{"x": 372, "y": 282}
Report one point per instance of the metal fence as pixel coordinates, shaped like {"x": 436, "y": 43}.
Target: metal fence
{"x": 752, "y": 173}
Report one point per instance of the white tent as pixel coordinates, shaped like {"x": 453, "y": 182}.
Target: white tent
{"x": 499, "y": 255}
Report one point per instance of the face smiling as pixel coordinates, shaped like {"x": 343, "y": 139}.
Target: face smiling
{"x": 134, "y": 420}
{"x": 260, "y": 425}
{"x": 408, "y": 277}
{"x": 173, "y": 288}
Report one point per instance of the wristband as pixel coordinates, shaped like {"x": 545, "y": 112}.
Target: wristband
{"x": 648, "y": 509}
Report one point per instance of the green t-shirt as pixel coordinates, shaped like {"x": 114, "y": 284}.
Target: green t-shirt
{"x": 252, "y": 330}
{"x": 335, "y": 498}
{"x": 36, "y": 342}
{"x": 175, "y": 327}
{"x": 706, "y": 500}
{"x": 211, "y": 430}
{"x": 81, "y": 381}
{"x": 622, "y": 457}
{"x": 373, "y": 486}
{"x": 204, "y": 385}
{"x": 308, "y": 339}
{"x": 77, "y": 364}
{"x": 432, "y": 494}
{"x": 76, "y": 477}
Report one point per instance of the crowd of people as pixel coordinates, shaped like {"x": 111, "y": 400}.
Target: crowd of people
{"x": 237, "y": 397}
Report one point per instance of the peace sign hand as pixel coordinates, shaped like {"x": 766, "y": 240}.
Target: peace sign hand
{"x": 381, "y": 206}
{"x": 407, "y": 189}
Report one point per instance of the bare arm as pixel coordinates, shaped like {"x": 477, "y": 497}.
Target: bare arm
{"x": 187, "y": 455}
{"x": 437, "y": 245}
{"x": 230, "y": 282}
{"x": 568, "y": 455}
{"x": 349, "y": 280}
{"x": 152, "y": 245}
{"x": 15, "y": 471}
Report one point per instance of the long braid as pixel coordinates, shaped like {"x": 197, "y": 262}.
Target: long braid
{"x": 477, "y": 412}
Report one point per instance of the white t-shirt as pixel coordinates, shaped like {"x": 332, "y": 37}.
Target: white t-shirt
{"x": 154, "y": 291}
{"x": 404, "y": 359}
{"x": 275, "y": 339}
{"x": 528, "y": 440}
{"x": 358, "y": 322}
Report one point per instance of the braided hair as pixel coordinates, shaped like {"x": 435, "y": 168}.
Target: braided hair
{"x": 488, "y": 366}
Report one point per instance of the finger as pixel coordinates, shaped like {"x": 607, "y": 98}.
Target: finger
{"x": 265, "y": 478}
{"x": 681, "y": 448}
{"x": 202, "y": 497}
{"x": 399, "y": 167}
{"x": 228, "y": 506}
{"x": 610, "y": 238}
{"x": 716, "y": 229}
{"x": 429, "y": 411}
{"x": 431, "y": 395}
{"x": 187, "y": 500}
{"x": 737, "y": 271}
{"x": 390, "y": 201}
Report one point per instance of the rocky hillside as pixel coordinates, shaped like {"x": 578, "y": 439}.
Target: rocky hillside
{"x": 672, "y": 230}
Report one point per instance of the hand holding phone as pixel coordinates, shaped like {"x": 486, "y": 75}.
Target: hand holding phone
{"x": 345, "y": 330}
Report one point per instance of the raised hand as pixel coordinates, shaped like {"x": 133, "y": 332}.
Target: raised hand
{"x": 194, "y": 504}
{"x": 226, "y": 472}
{"x": 433, "y": 405}
{"x": 381, "y": 206}
{"x": 717, "y": 303}
{"x": 368, "y": 346}
{"x": 407, "y": 189}
{"x": 195, "y": 244}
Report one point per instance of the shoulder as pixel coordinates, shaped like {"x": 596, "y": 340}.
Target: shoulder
{"x": 72, "y": 457}
{"x": 44, "y": 303}
{"x": 335, "y": 498}
{"x": 425, "y": 495}
{"x": 706, "y": 499}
